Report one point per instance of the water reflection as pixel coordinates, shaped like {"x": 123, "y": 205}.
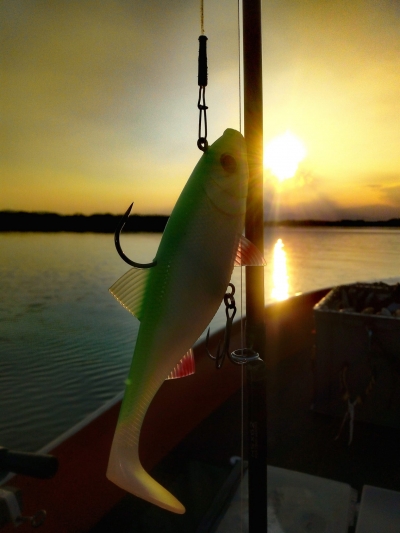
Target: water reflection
{"x": 280, "y": 289}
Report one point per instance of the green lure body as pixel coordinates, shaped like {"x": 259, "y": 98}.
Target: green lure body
{"x": 176, "y": 299}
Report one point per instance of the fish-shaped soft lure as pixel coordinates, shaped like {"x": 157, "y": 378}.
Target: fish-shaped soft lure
{"x": 176, "y": 299}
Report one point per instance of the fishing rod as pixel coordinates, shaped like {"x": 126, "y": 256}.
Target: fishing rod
{"x": 254, "y": 231}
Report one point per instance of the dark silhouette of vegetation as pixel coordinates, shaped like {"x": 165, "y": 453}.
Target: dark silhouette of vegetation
{"x": 392, "y": 223}
{"x": 106, "y": 223}
{"x": 53, "y": 222}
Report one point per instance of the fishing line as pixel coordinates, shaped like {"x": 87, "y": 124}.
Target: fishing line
{"x": 241, "y": 296}
{"x": 240, "y": 66}
{"x": 202, "y": 16}
{"x": 242, "y": 406}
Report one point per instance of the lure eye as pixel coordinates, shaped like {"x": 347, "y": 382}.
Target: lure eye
{"x": 228, "y": 163}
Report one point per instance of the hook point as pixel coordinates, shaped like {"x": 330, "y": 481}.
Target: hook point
{"x": 118, "y": 245}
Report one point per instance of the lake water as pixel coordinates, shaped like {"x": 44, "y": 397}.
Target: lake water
{"x": 66, "y": 344}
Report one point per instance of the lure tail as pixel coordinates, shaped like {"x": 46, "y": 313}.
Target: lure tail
{"x": 126, "y": 471}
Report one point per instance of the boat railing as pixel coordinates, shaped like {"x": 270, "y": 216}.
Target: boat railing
{"x": 35, "y": 465}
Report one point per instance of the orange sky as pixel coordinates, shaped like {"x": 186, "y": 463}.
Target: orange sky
{"x": 98, "y": 102}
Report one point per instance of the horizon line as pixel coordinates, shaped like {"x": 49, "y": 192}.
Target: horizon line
{"x": 266, "y": 221}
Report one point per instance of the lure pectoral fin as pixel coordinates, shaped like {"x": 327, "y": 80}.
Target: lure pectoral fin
{"x": 129, "y": 290}
{"x": 248, "y": 254}
{"x": 185, "y": 367}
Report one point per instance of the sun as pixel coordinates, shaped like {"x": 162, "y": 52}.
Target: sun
{"x": 283, "y": 154}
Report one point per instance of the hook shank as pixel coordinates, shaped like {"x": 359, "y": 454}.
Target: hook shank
{"x": 117, "y": 233}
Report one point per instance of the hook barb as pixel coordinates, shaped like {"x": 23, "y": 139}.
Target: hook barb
{"x": 117, "y": 233}
{"x": 219, "y": 358}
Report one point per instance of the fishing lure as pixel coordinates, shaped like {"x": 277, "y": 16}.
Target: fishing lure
{"x": 199, "y": 248}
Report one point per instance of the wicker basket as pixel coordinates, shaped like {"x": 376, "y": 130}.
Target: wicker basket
{"x": 357, "y": 352}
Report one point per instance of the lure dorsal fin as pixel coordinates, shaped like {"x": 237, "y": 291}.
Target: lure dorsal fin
{"x": 129, "y": 290}
{"x": 248, "y": 254}
{"x": 184, "y": 368}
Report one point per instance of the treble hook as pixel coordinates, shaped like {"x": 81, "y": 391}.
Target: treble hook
{"x": 229, "y": 305}
{"x": 238, "y": 357}
{"x": 118, "y": 246}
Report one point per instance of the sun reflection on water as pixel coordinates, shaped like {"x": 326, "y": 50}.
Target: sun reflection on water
{"x": 280, "y": 289}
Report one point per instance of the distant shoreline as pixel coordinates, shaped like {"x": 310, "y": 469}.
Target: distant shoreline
{"x": 345, "y": 223}
{"x": 98, "y": 223}
{"x": 23, "y": 221}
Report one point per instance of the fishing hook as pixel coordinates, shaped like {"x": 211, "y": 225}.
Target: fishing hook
{"x": 240, "y": 356}
{"x": 117, "y": 233}
{"x": 230, "y": 305}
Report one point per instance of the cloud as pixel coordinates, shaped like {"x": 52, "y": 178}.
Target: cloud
{"x": 311, "y": 196}
{"x": 327, "y": 209}
{"x": 321, "y": 209}
{"x": 389, "y": 193}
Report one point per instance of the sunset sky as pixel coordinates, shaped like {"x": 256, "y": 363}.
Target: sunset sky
{"x": 98, "y": 102}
